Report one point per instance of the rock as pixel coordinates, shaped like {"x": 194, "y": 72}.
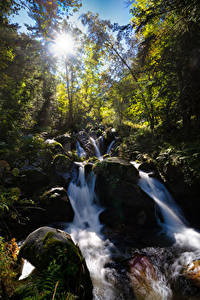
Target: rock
{"x": 57, "y": 205}
{"x": 114, "y": 169}
{"x": 54, "y": 146}
{"x": 118, "y": 192}
{"x": 85, "y": 142}
{"x": 108, "y": 136}
{"x": 62, "y": 164}
{"x": 192, "y": 272}
{"x": 46, "y": 246}
{"x": 143, "y": 278}
{"x": 66, "y": 141}
{"x": 33, "y": 178}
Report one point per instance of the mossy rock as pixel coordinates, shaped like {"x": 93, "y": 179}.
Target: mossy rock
{"x": 115, "y": 169}
{"x": 48, "y": 247}
{"x": 54, "y": 146}
{"x": 118, "y": 192}
{"x": 57, "y": 205}
{"x": 62, "y": 163}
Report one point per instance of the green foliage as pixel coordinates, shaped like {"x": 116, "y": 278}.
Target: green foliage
{"x": 8, "y": 267}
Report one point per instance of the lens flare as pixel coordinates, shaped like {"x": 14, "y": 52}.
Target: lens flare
{"x": 63, "y": 45}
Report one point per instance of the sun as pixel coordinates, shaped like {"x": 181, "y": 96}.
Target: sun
{"x": 63, "y": 45}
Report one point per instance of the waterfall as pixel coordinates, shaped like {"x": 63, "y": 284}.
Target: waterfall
{"x": 86, "y": 232}
{"x": 174, "y": 224}
{"x": 110, "y": 147}
{"x": 80, "y": 151}
{"x": 97, "y": 152}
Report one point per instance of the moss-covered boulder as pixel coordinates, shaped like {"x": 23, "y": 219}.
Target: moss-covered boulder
{"x": 115, "y": 169}
{"x": 57, "y": 205}
{"x": 54, "y": 146}
{"x": 125, "y": 203}
{"x": 50, "y": 249}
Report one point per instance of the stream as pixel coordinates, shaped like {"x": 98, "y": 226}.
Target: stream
{"x": 86, "y": 231}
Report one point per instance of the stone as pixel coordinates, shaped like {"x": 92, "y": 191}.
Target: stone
{"x": 66, "y": 141}
{"x": 124, "y": 201}
{"x": 57, "y": 205}
{"x": 46, "y": 246}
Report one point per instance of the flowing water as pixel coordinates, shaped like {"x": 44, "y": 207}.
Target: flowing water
{"x": 97, "y": 151}
{"x": 174, "y": 223}
{"x": 80, "y": 151}
{"x": 110, "y": 147}
{"x": 85, "y": 230}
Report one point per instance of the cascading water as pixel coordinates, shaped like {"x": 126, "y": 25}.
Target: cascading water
{"x": 174, "y": 224}
{"x": 97, "y": 152}
{"x": 80, "y": 151}
{"x": 86, "y": 231}
{"x": 110, "y": 147}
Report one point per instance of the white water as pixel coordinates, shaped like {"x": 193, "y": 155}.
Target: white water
{"x": 97, "y": 152}
{"x": 86, "y": 232}
{"x": 110, "y": 147}
{"x": 174, "y": 224}
{"x": 26, "y": 269}
{"x": 80, "y": 151}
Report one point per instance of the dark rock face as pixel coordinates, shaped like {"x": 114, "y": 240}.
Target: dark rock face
{"x": 33, "y": 178}
{"x": 125, "y": 203}
{"x": 46, "y": 245}
{"x": 62, "y": 164}
{"x": 57, "y": 205}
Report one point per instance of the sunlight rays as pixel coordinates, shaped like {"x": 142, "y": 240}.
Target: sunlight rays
{"x": 63, "y": 45}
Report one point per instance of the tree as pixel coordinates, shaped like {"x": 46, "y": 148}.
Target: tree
{"x": 168, "y": 32}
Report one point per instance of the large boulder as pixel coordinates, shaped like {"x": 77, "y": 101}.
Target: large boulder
{"x": 47, "y": 247}
{"x": 57, "y": 205}
{"x": 125, "y": 203}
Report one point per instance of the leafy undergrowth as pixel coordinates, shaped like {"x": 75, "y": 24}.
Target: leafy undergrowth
{"x": 178, "y": 149}
{"x": 9, "y": 269}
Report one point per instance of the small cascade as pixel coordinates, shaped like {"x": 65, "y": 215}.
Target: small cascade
{"x": 174, "y": 224}
{"x": 97, "y": 152}
{"x": 86, "y": 232}
{"x": 80, "y": 151}
{"x": 110, "y": 147}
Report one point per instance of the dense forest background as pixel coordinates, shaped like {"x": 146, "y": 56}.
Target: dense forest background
{"x": 142, "y": 78}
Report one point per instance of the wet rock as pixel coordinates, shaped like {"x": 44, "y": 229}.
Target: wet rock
{"x": 108, "y": 136}
{"x": 118, "y": 192}
{"x": 85, "y": 142}
{"x": 192, "y": 272}
{"x": 47, "y": 246}
{"x": 146, "y": 280}
{"x": 57, "y": 205}
{"x": 115, "y": 169}
{"x": 66, "y": 141}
